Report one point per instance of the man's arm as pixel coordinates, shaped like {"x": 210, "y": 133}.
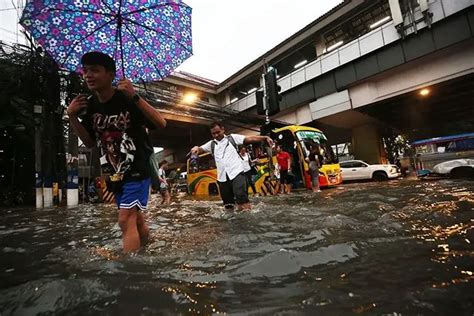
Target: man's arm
{"x": 257, "y": 139}
{"x": 198, "y": 150}
{"x": 148, "y": 111}
{"x": 77, "y": 104}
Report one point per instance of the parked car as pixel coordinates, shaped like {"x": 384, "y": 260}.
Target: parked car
{"x": 360, "y": 170}
{"x": 459, "y": 168}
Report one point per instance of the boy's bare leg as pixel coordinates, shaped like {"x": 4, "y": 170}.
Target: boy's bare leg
{"x": 143, "y": 230}
{"x": 128, "y": 223}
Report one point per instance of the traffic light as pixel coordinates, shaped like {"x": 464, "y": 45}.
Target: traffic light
{"x": 260, "y": 107}
{"x": 273, "y": 91}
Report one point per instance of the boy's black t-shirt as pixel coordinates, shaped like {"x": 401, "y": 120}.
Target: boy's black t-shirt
{"x": 118, "y": 126}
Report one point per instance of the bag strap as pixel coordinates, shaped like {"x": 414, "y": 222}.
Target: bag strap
{"x": 213, "y": 146}
{"x": 231, "y": 140}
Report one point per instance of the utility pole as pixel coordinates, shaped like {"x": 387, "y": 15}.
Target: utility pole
{"x": 38, "y": 109}
{"x": 265, "y": 95}
{"x": 48, "y": 156}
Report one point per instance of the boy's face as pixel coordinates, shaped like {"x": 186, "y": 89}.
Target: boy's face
{"x": 97, "y": 77}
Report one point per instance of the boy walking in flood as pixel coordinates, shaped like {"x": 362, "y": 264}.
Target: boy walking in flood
{"x": 115, "y": 121}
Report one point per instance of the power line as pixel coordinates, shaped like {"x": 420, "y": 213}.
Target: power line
{"x": 17, "y": 16}
{"x": 10, "y": 9}
{"x": 204, "y": 110}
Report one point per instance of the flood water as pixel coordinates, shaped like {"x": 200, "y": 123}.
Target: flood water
{"x": 403, "y": 247}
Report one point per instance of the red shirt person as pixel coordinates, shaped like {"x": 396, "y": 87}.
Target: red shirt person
{"x": 284, "y": 161}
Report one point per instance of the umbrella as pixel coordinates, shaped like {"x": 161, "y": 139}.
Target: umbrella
{"x": 147, "y": 38}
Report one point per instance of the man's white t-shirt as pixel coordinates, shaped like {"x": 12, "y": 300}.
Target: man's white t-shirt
{"x": 228, "y": 161}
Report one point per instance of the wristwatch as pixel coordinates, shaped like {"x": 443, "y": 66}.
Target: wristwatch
{"x": 136, "y": 98}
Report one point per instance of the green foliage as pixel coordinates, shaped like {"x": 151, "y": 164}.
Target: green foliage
{"x": 396, "y": 145}
{"x": 28, "y": 78}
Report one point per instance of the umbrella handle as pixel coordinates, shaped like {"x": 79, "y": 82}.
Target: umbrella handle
{"x": 119, "y": 28}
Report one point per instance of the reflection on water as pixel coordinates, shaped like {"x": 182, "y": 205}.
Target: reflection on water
{"x": 400, "y": 247}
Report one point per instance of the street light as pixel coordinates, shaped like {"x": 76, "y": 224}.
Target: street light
{"x": 424, "y": 92}
{"x": 252, "y": 90}
{"x": 380, "y": 22}
{"x": 298, "y": 65}
{"x": 189, "y": 98}
{"x": 332, "y": 47}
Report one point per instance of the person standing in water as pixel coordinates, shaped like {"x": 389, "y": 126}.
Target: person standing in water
{"x": 249, "y": 167}
{"x": 314, "y": 164}
{"x": 230, "y": 171}
{"x": 164, "y": 188}
{"x": 115, "y": 120}
{"x": 284, "y": 161}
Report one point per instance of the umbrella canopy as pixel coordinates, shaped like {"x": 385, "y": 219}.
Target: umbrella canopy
{"x": 147, "y": 38}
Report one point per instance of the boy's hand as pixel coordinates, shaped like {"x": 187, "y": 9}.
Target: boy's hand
{"x": 126, "y": 87}
{"x": 77, "y": 105}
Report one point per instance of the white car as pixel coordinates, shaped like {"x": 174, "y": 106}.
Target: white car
{"x": 360, "y": 170}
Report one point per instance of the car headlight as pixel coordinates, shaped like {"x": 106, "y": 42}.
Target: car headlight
{"x": 394, "y": 170}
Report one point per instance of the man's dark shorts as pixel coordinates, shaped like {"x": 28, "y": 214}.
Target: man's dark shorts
{"x": 284, "y": 179}
{"x": 234, "y": 191}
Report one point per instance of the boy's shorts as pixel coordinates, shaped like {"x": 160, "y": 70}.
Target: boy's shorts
{"x": 133, "y": 193}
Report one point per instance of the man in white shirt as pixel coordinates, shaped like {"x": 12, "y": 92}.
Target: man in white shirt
{"x": 230, "y": 172}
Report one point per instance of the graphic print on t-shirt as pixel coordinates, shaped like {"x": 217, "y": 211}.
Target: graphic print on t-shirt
{"x": 117, "y": 148}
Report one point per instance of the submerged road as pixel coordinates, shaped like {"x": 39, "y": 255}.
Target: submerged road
{"x": 394, "y": 247}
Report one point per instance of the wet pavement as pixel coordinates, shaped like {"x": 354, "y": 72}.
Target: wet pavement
{"x": 401, "y": 247}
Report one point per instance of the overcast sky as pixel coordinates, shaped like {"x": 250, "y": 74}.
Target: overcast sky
{"x": 227, "y": 34}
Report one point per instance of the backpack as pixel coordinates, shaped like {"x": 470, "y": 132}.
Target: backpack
{"x": 231, "y": 140}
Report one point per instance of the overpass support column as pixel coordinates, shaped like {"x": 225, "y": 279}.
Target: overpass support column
{"x": 367, "y": 144}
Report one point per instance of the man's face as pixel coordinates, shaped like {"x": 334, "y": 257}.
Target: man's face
{"x": 217, "y": 132}
{"x": 278, "y": 149}
{"x": 97, "y": 77}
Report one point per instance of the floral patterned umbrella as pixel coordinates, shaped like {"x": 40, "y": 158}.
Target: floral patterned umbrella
{"x": 147, "y": 38}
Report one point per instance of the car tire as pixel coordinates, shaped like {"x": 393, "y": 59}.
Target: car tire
{"x": 380, "y": 176}
{"x": 462, "y": 172}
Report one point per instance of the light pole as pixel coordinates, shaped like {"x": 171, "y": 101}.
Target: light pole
{"x": 38, "y": 111}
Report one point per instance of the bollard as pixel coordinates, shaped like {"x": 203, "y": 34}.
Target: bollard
{"x": 39, "y": 190}
{"x": 48, "y": 191}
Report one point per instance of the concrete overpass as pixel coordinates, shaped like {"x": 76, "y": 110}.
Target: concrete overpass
{"x": 361, "y": 77}
{"x": 189, "y": 104}
{"x": 372, "y": 82}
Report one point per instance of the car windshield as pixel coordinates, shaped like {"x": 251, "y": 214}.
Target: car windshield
{"x": 311, "y": 136}
{"x": 308, "y": 138}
